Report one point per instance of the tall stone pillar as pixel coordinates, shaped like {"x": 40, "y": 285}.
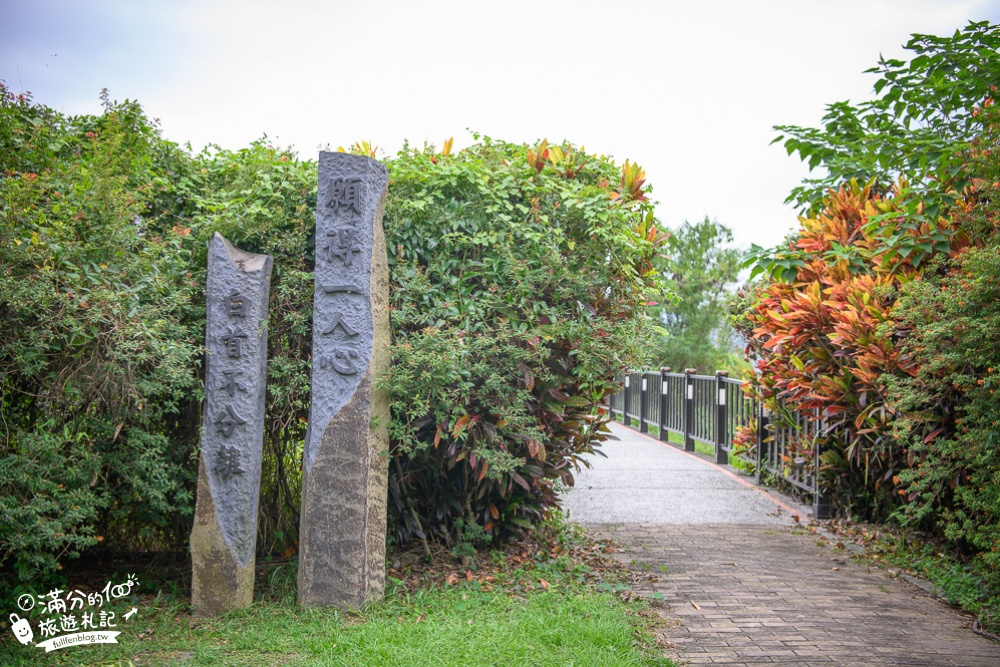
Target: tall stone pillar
{"x": 345, "y": 460}
{"x": 223, "y": 540}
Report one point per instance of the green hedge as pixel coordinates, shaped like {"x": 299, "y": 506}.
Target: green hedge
{"x": 100, "y": 343}
{"x": 519, "y": 280}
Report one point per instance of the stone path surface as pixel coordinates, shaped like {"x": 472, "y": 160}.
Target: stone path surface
{"x": 745, "y": 583}
{"x": 645, "y": 481}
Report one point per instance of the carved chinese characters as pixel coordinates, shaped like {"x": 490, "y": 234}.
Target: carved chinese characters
{"x": 225, "y": 528}
{"x": 342, "y": 530}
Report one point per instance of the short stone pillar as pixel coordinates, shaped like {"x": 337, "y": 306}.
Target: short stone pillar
{"x": 345, "y": 459}
{"x": 224, "y": 536}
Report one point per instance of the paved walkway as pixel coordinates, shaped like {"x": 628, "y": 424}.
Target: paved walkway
{"x": 749, "y": 586}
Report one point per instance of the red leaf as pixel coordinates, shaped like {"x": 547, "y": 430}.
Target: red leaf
{"x": 520, "y": 481}
{"x": 533, "y": 447}
{"x": 933, "y": 434}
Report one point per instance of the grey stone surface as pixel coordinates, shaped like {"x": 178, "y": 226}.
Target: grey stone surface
{"x": 223, "y": 538}
{"x": 344, "y": 467}
{"x": 645, "y": 481}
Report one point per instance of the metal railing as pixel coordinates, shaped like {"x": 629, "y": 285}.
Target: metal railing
{"x": 711, "y": 410}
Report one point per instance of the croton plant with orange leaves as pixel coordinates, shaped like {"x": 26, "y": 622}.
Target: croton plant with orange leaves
{"x": 822, "y": 332}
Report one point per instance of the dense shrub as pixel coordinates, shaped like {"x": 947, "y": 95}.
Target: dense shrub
{"x": 823, "y": 339}
{"x": 950, "y": 425}
{"x": 881, "y": 311}
{"x": 520, "y": 278}
{"x": 98, "y": 352}
{"x": 500, "y": 272}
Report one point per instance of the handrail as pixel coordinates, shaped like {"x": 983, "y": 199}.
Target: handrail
{"x": 711, "y": 409}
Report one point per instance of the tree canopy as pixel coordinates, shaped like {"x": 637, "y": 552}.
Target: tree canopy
{"x": 700, "y": 268}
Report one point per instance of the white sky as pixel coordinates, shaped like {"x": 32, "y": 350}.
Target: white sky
{"x": 690, "y": 90}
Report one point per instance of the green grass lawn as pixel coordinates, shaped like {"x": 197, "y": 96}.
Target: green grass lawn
{"x": 539, "y": 606}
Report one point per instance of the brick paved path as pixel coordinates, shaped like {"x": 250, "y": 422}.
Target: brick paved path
{"x": 751, "y": 594}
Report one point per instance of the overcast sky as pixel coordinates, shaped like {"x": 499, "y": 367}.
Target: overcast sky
{"x": 690, "y": 90}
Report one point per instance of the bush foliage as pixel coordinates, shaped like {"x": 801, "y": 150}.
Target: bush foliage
{"x": 880, "y": 311}
{"x": 949, "y": 323}
{"x": 100, "y": 341}
{"x": 519, "y": 279}
{"x": 824, "y": 339}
